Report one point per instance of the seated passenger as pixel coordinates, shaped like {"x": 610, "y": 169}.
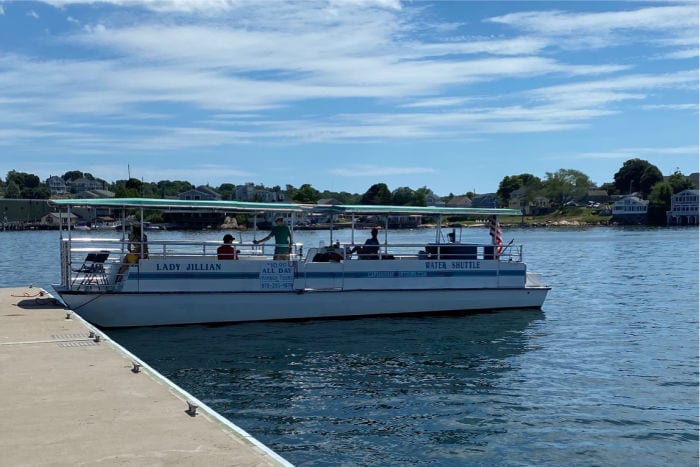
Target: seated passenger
{"x": 138, "y": 246}
{"x": 227, "y": 251}
{"x": 370, "y": 250}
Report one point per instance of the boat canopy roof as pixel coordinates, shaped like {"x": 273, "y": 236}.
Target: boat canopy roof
{"x": 180, "y": 204}
{"x": 243, "y": 206}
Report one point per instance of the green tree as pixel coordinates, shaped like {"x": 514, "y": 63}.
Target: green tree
{"x": 172, "y": 188}
{"x": 343, "y": 197}
{"x": 509, "y": 184}
{"x": 659, "y": 202}
{"x": 39, "y": 192}
{"x": 226, "y": 190}
{"x": 566, "y": 184}
{"x": 377, "y": 194}
{"x": 306, "y": 194}
{"x": 128, "y": 188}
{"x": 29, "y": 185}
{"x": 403, "y": 196}
{"x": 23, "y": 179}
{"x": 13, "y": 191}
{"x": 637, "y": 175}
{"x": 650, "y": 177}
{"x": 679, "y": 182}
{"x": 72, "y": 175}
{"x": 420, "y": 196}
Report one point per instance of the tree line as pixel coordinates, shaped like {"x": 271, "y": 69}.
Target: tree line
{"x": 635, "y": 176}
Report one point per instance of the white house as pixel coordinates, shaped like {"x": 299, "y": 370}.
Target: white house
{"x": 248, "y": 192}
{"x": 630, "y": 210}
{"x": 684, "y": 208}
{"x": 85, "y": 184}
{"x": 56, "y": 185}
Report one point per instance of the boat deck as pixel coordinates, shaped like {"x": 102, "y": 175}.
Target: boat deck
{"x": 72, "y": 399}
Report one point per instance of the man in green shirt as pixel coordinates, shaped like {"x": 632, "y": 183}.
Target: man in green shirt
{"x": 283, "y": 240}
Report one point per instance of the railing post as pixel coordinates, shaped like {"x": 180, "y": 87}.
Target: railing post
{"x": 65, "y": 263}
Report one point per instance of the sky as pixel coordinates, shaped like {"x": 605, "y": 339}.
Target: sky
{"x": 343, "y": 94}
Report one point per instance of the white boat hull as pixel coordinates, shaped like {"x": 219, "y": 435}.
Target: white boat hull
{"x": 155, "y": 309}
{"x": 169, "y": 289}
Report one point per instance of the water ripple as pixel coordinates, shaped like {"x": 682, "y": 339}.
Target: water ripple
{"x": 606, "y": 374}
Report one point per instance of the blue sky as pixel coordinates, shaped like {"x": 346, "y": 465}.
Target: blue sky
{"x": 344, "y": 94}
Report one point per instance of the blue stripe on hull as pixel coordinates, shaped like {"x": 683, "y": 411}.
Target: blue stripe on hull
{"x": 326, "y": 275}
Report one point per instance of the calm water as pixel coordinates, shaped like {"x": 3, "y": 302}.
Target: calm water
{"x": 605, "y": 374}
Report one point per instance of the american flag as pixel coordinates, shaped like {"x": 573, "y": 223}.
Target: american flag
{"x": 495, "y": 232}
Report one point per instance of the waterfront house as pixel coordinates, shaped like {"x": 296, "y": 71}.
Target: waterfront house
{"x": 92, "y": 194}
{"x": 684, "y": 208}
{"x": 85, "y": 184}
{"x": 537, "y": 205}
{"x": 597, "y": 195}
{"x": 460, "y": 202}
{"x": 56, "y": 219}
{"x": 249, "y": 192}
{"x": 56, "y": 185}
{"x": 200, "y": 193}
{"x": 630, "y": 210}
{"x": 431, "y": 199}
{"x": 488, "y": 200}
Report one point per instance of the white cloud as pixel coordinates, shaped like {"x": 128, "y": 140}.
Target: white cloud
{"x": 373, "y": 78}
{"x": 636, "y": 152}
{"x": 609, "y": 28}
{"x": 561, "y": 23}
{"x": 217, "y": 7}
{"x": 172, "y": 6}
{"x": 272, "y": 68}
{"x": 437, "y": 102}
{"x": 681, "y": 107}
{"x": 33, "y": 14}
{"x": 603, "y": 92}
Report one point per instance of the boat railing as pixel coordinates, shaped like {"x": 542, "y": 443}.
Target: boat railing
{"x": 100, "y": 263}
{"x": 431, "y": 251}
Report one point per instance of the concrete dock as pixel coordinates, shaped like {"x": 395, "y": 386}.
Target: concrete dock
{"x": 71, "y": 396}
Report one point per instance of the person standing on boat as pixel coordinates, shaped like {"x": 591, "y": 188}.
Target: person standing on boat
{"x": 370, "y": 250}
{"x": 283, "y": 240}
{"x": 227, "y": 251}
